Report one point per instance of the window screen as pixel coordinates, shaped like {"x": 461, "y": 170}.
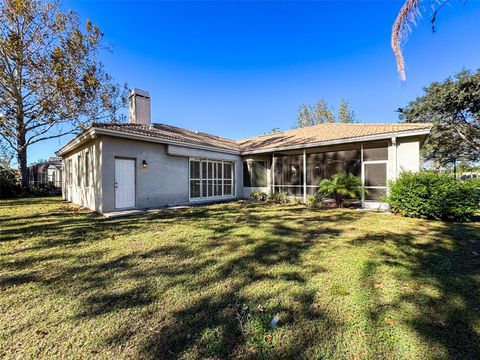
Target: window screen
{"x": 374, "y": 193}
{"x": 211, "y": 178}
{"x": 195, "y": 183}
{"x": 376, "y": 174}
{"x": 375, "y": 151}
{"x": 255, "y": 174}
{"x": 195, "y": 169}
{"x": 315, "y": 172}
{"x": 194, "y": 188}
{"x": 227, "y": 179}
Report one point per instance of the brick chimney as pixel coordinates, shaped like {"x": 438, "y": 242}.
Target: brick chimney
{"x": 140, "y": 112}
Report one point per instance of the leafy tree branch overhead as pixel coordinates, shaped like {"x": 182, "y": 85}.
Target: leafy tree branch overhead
{"x": 51, "y": 81}
{"x": 453, "y": 106}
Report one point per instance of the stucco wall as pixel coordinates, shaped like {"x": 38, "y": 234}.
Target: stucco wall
{"x": 408, "y": 154}
{"x": 404, "y": 156}
{"x": 86, "y": 196}
{"x": 164, "y": 181}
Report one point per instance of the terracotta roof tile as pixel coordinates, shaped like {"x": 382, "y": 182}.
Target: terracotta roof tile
{"x": 323, "y": 133}
{"x": 172, "y": 133}
{"x": 296, "y": 137}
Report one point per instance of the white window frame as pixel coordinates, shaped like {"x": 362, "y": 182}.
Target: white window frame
{"x": 207, "y": 161}
{"x": 364, "y": 163}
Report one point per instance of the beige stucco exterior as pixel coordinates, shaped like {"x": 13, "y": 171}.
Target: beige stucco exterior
{"x": 165, "y": 179}
{"x": 75, "y": 187}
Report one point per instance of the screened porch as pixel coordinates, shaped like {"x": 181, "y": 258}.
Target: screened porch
{"x": 299, "y": 172}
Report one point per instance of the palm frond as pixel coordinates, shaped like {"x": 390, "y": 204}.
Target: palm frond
{"x": 402, "y": 26}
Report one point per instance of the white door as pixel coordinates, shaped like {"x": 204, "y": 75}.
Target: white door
{"x": 124, "y": 183}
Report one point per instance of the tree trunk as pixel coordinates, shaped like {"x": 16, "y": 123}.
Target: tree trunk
{"x": 22, "y": 160}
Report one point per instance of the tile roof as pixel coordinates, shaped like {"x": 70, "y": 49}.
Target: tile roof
{"x": 172, "y": 133}
{"x": 291, "y": 138}
{"x": 324, "y": 133}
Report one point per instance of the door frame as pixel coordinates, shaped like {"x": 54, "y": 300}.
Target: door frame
{"x": 134, "y": 181}
{"x": 386, "y": 187}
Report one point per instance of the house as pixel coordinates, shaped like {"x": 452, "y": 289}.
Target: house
{"x": 470, "y": 175}
{"x": 46, "y": 173}
{"x": 112, "y": 166}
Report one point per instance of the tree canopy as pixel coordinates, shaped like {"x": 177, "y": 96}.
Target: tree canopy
{"x": 453, "y": 106}
{"x": 51, "y": 83}
{"x": 345, "y": 113}
{"x": 321, "y": 113}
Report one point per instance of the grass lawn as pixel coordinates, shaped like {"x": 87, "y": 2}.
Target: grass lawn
{"x": 206, "y": 283}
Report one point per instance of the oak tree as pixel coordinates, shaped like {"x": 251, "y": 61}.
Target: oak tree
{"x": 453, "y": 106}
{"x": 51, "y": 81}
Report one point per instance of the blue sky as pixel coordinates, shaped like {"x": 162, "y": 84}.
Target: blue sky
{"x": 239, "y": 69}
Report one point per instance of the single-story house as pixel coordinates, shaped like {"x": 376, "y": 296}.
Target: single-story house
{"x": 115, "y": 166}
{"x": 46, "y": 173}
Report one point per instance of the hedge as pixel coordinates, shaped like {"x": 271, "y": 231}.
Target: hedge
{"x": 431, "y": 195}
{"x": 9, "y": 183}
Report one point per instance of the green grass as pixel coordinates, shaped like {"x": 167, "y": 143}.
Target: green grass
{"x": 206, "y": 283}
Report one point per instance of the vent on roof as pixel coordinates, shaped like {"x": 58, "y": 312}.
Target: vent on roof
{"x": 205, "y": 134}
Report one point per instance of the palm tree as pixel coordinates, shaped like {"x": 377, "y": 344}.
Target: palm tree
{"x": 402, "y": 26}
{"x": 341, "y": 187}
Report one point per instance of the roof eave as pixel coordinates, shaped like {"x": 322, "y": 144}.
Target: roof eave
{"x": 86, "y": 135}
{"x": 93, "y": 132}
{"x": 340, "y": 141}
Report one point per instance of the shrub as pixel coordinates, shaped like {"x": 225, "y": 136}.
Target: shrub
{"x": 42, "y": 190}
{"x": 9, "y": 182}
{"x": 431, "y": 195}
{"x": 473, "y": 182}
{"x": 315, "y": 201}
{"x": 341, "y": 188}
{"x": 279, "y": 197}
{"x": 259, "y": 196}
{"x": 294, "y": 200}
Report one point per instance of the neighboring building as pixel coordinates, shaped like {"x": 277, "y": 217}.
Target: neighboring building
{"x": 470, "y": 175}
{"x": 46, "y": 173}
{"x": 110, "y": 166}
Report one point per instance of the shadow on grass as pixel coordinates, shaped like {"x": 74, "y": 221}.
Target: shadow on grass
{"x": 213, "y": 274}
{"x": 448, "y": 263}
{"x": 243, "y": 246}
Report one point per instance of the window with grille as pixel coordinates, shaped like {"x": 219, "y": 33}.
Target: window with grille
{"x": 211, "y": 178}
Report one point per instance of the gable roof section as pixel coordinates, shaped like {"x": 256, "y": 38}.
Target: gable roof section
{"x": 316, "y": 135}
